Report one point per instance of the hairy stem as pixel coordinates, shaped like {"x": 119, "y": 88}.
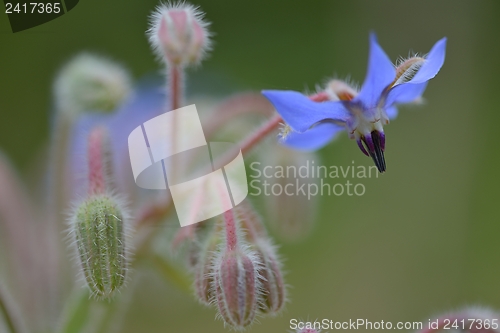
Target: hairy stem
{"x": 175, "y": 86}
{"x": 230, "y": 229}
{"x": 238, "y": 105}
{"x": 262, "y": 132}
{"x": 251, "y": 141}
{"x": 96, "y": 162}
{"x": 175, "y": 79}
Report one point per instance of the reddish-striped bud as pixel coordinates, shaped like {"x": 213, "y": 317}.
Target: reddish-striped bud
{"x": 236, "y": 279}
{"x": 236, "y": 288}
{"x": 271, "y": 276}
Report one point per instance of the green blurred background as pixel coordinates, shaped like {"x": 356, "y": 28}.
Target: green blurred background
{"x": 424, "y": 237}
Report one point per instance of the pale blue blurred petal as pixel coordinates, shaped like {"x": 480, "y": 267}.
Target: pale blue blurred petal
{"x": 405, "y": 93}
{"x": 392, "y": 112}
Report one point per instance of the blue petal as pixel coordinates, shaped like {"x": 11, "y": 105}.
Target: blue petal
{"x": 301, "y": 113}
{"x": 433, "y": 63}
{"x": 405, "y": 93}
{"x": 380, "y": 74}
{"x": 392, "y": 112}
{"x": 313, "y": 139}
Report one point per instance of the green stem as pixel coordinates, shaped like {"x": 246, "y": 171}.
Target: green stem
{"x": 171, "y": 273}
{"x": 107, "y": 317}
{"x": 9, "y": 321}
{"x": 77, "y": 313}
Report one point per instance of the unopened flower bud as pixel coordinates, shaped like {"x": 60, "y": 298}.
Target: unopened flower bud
{"x": 236, "y": 284}
{"x": 338, "y": 90}
{"x": 100, "y": 240}
{"x": 179, "y": 34}
{"x": 271, "y": 276}
{"x": 273, "y": 286}
{"x": 236, "y": 288}
{"x": 91, "y": 83}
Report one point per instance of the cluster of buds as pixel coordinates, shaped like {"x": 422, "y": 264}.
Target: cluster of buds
{"x": 99, "y": 224}
{"x": 239, "y": 271}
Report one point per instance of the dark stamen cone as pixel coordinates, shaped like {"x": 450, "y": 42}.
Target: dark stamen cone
{"x": 375, "y": 145}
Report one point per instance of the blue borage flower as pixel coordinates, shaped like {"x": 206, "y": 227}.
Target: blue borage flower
{"x": 313, "y": 121}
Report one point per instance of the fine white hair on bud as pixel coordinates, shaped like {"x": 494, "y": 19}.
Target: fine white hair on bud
{"x": 407, "y": 68}
{"x": 339, "y": 90}
{"x": 100, "y": 237}
{"x": 91, "y": 83}
{"x": 178, "y": 33}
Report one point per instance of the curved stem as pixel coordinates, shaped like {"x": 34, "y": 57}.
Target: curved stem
{"x": 6, "y": 311}
{"x": 251, "y": 141}
{"x": 76, "y": 313}
{"x": 171, "y": 273}
{"x": 235, "y": 106}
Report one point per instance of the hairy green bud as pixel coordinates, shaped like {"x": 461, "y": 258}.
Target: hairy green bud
{"x": 100, "y": 240}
